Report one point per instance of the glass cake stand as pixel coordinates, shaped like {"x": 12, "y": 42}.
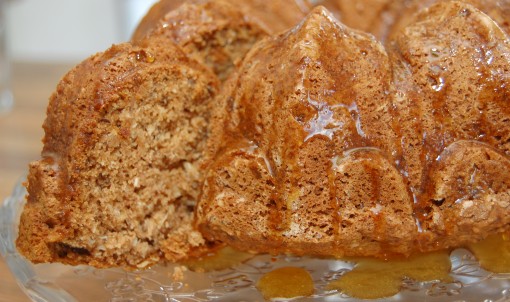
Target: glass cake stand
{"x": 63, "y": 283}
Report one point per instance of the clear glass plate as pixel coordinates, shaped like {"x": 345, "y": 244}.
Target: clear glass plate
{"x": 59, "y": 283}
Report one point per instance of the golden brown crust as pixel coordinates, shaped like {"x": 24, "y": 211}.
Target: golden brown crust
{"x": 498, "y": 10}
{"x": 385, "y": 18}
{"x": 372, "y": 16}
{"x": 214, "y": 33}
{"x": 302, "y": 102}
{"x": 382, "y": 18}
{"x": 153, "y": 17}
{"x": 450, "y": 72}
{"x": 326, "y": 145}
{"x": 273, "y": 16}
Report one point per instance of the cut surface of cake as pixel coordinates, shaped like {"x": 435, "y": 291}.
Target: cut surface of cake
{"x": 219, "y": 124}
{"x": 124, "y": 132}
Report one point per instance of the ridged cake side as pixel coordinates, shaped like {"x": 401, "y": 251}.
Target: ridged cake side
{"x": 303, "y": 162}
{"x": 451, "y": 74}
{"x": 328, "y": 145}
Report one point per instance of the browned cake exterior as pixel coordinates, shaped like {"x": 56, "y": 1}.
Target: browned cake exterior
{"x": 330, "y": 146}
{"x": 214, "y": 33}
{"x": 274, "y": 16}
{"x": 304, "y": 164}
{"x": 118, "y": 176}
{"x": 383, "y": 18}
{"x": 498, "y": 10}
{"x": 371, "y": 16}
{"x": 278, "y": 15}
{"x": 153, "y": 16}
{"x": 378, "y": 17}
{"x": 451, "y": 74}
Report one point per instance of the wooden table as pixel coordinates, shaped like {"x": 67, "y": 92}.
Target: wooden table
{"x": 20, "y": 139}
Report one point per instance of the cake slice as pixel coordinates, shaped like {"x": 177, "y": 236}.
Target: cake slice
{"x": 125, "y": 137}
{"x": 119, "y": 177}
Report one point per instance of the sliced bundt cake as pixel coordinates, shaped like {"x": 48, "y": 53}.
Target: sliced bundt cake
{"x": 125, "y": 135}
{"x": 210, "y": 128}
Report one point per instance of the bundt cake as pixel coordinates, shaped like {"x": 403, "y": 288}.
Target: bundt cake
{"x": 216, "y": 125}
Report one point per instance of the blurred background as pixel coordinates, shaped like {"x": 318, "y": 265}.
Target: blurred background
{"x": 40, "y": 40}
{"x": 68, "y": 30}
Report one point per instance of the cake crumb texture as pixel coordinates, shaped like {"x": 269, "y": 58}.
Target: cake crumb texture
{"x": 124, "y": 132}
